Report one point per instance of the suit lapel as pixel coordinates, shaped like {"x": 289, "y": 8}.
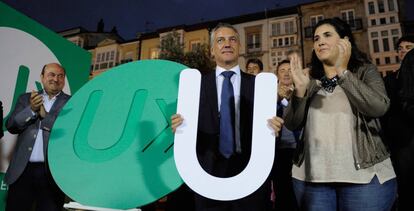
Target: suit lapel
{"x": 60, "y": 101}
{"x": 211, "y": 93}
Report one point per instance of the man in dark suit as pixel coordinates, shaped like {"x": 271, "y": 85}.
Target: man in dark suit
{"x": 225, "y": 44}
{"x": 28, "y": 177}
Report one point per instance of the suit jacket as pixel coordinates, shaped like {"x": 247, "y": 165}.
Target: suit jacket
{"x": 23, "y": 123}
{"x": 209, "y": 127}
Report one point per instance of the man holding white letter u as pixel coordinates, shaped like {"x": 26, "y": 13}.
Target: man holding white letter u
{"x": 224, "y": 133}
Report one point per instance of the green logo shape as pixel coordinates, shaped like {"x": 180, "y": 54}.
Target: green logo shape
{"x": 111, "y": 145}
{"x": 76, "y": 60}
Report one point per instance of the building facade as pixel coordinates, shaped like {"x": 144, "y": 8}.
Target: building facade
{"x": 351, "y": 11}
{"x": 110, "y": 53}
{"x": 269, "y": 35}
{"x": 384, "y": 30}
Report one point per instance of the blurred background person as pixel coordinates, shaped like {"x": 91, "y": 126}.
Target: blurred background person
{"x": 284, "y": 198}
{"x": 398, "y": 123}
{"x": 254, "y": 66}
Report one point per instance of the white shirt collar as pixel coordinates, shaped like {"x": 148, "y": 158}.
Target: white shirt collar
{"x": 235, "y": 69}
{"x": 47, "y": 96}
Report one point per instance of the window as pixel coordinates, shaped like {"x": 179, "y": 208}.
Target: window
{"x": 391, "y": 6}
{"x": 103, "y": 66}
{"x": 383, "y": 21}
{"x": 375, "y": 44}
{"x": 384, "y": 33}
{"x": 392, "y": 19}
{"x": 385, "y": 44}
{"x": 253, "y": 41}
{"x": 253, "y": 38}
{"x": 276, "y": 29}
{"x": 96, "y": 67}
{"x": 154, "y": 53}
{"x": 374, "y": 34}
{"x": 107, "y": 56}
{"x": 394, "y": 42}
{"x": 280, "y": 42}
{"x": 98, "y": 58}
{"x": 381, "y": 6}
{"x": 112, "y": 55}
{"x": 195, "y": 44}
{"x": 315, "y": 19}
{"x": 373, "y": 22}
{"x": 377, "y": 61}
{"x": 292, "y": 41}
{"x": 371, "y": 8}
{"x": 395, "y": 32}
{"x": 387, "y": 60}
{"x": 289, "y": 27}
{"x": 349, "y": 17}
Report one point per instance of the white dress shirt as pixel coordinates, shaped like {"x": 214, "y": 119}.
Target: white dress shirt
{"x": 37, "y": 152}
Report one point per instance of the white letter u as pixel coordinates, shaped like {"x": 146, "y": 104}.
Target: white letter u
{"x": 263, "y": 141}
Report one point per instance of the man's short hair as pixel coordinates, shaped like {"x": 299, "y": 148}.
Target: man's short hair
{"x": 255, "y": 61}
{"x": 407, "y": 38}
{"x": 221, "y": 25}
{"x": 285, "y": 61}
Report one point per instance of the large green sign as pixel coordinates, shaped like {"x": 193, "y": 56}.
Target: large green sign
{"x": 25, "y": 46}
{"x": 112, "y": 144}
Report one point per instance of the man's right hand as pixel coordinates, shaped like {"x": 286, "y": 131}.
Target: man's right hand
{"x": 36, "y": 101}
{"x": 176, "y": 120}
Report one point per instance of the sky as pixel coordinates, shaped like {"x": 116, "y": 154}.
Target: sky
{"x": 133, "y": 16}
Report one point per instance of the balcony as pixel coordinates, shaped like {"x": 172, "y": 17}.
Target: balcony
{"x": 253, "y": 47}
{"x": 355, "y": 24}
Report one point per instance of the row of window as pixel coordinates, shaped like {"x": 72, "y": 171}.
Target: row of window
{"x": 384, "y": 37}
{"x": 382, "y": 21}
{"x": 281, "y": 28}
{"x": 380, "y": 6}
{"x": 387, "y": 60}
{"x": 284, "y": 41}
{"x": 105, "y": 56}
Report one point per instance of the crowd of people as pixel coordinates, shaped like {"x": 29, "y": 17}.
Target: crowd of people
{"x": 344, "y": 135}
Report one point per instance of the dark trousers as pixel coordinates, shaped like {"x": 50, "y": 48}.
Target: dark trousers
{"x": 403, "y": 161}
{"x": 35, "y": 188}
{"x": 257, "y": 201}
{"x": 282, "y": 180}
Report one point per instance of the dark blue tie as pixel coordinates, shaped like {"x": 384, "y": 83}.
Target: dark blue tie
{"x": 227, "y": 114}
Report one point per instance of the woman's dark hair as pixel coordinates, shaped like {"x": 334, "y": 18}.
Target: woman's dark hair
{"x": 255, "y": 61}
{"x": 358, "y": 58}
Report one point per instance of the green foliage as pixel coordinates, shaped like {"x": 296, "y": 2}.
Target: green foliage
{"x": 173, "y": 49}
{"x": 199, "y": 58}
